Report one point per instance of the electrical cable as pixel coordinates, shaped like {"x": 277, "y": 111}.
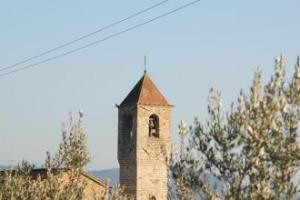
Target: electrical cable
{"x": 82, "y": 37}
{"x": 101, "y": 40}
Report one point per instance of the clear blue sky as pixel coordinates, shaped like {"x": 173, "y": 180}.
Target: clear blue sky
{"x": 212, "y": 44}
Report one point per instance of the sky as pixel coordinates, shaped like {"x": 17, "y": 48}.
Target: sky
{"x": 212, "y": 44}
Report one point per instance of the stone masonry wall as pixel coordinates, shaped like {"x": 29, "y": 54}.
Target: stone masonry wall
{"x": 153, "y": 153}
{"x": 144, "y": 160}
{"x": 127, "y": 150}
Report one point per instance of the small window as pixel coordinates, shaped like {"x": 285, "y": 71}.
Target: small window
{"x": 153, "y": 126}
{"x": 128, "y": 126}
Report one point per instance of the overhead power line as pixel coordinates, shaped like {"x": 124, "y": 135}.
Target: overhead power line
{"x": 82, "y": 37}
{"x": 103, "y": 39}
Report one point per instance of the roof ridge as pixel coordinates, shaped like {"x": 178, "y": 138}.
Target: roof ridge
{"x": 142, "y": 87}
{"x": 145, "y": 92}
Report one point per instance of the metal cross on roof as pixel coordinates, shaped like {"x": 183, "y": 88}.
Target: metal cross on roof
{"x": 145, "y": 63}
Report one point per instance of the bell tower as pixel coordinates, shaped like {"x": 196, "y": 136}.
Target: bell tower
{"x": 144, "y": 141}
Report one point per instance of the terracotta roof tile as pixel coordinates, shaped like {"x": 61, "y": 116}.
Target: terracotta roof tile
{"x": 145, "y": 93}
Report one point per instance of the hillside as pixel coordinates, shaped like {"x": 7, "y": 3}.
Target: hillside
{"x": 110, "y": 175}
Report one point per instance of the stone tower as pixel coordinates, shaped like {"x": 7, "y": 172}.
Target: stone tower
{"x": 144, "y": 141}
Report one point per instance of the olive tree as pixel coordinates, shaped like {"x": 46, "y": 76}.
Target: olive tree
{"x": 63, "y": 172}
{"x": 249, "y": 152}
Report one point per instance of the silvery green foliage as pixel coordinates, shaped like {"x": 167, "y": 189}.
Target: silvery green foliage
{"x": 67, "y": 165}
{"x": 72, "y": 153}
{"x": 250, "y": 152}
{"x": 118, "y": 193}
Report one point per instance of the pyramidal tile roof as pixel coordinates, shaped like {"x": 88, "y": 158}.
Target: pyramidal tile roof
{"x": 145, "y": 93}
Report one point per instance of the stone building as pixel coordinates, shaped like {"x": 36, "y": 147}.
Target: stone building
{"x": 144, "y": 141}
{"x": 94, "y": 188}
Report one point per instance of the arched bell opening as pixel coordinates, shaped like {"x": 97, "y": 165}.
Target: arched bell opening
{"x": 154, "y": 126}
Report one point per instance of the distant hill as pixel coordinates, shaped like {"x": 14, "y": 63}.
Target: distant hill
{"x": 6, "y": 167}
{"x": 110, "y": 175}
